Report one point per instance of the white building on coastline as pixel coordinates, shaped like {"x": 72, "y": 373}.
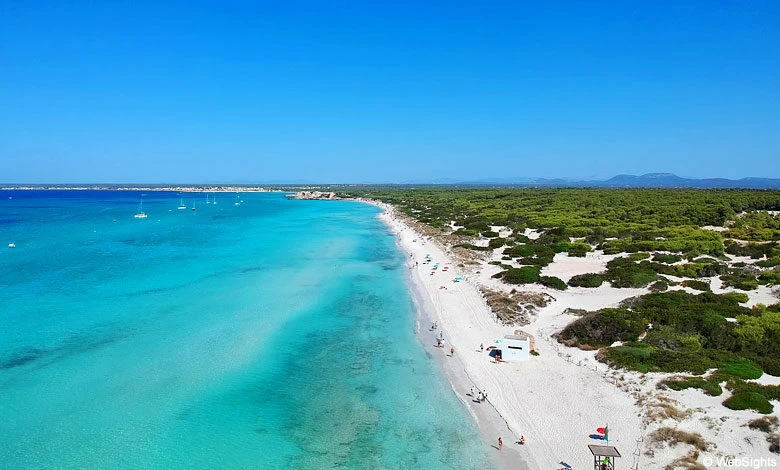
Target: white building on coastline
{"x": 516, "y": 347}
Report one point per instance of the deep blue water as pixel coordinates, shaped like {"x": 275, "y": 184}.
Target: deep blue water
{"x": 273, "y": 334}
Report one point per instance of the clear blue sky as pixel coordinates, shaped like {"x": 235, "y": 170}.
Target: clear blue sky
{"x": 386, "y": 91}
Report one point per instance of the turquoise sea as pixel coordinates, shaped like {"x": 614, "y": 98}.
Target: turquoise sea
{"x": 270, "y": 334}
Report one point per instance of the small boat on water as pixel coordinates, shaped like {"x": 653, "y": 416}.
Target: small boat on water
{"x": 181, "y": 205}
{"x": 12, "y": 245}
{"x": 193, "y": 205}
{"x": 207, "y": 199}
{"x": 141, "y": 214}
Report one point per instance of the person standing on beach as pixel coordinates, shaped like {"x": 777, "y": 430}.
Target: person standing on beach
{"x": 452, "y": 352}
{"x": 500, "y": 443}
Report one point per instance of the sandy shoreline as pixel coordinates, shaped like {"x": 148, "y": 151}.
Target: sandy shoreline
{"x": 558, "y": 399}
{"x": 489, "y": 421}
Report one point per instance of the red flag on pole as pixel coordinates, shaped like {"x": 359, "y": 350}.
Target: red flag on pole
{"x": 601, "y": 430}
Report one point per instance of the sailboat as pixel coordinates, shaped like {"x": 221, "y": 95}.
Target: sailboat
{"x": 207, "y": 199}
{"x": 193, "y": 205}
{"x": 238, "y": 202}
{"x": 141, "y": 214}
{"x": 181, "y": 205}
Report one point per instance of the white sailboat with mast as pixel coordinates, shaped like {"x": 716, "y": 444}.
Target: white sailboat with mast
{"x": 141, "y": 214}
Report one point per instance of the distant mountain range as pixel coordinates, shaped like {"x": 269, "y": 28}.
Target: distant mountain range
{"x": 648, "y": 180}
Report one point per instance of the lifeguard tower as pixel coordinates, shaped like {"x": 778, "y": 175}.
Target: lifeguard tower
{"x": 603, "y": 457}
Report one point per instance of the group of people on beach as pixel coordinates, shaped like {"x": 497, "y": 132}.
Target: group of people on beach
{"x": 478, "y": 394}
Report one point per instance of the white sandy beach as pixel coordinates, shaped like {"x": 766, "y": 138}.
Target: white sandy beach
{"x": 559, "y": 398}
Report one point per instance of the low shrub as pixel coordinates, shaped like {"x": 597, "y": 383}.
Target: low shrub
{"x": 519, "y": 251}
{"x": 749, "y": 401}
{"x": 769, "y": 263}
{"x": 603, "y": 328}
{"x": 741, "y": 367}
{"x": 673, "y": 436}
{"x": 622, "y": 272}
{"x": 586, "y": 280}
{"x": 489, "y": 234}
{"x": 739, "y": 279}
{"x": 639, "y": 256}
{"x": 659, "y": 286}
{"x": 579, "y": 249}
{"x": 466, "y": 232}
{"x": 668, "y": 259}
{"x": 709, "y": 387}
{"x": 524, "y": 275}
{"x": 697, "y": 285}
{"x": 770, "y": 276}
{"x": 552, "y": 282}
{"x": 496, "y": 243}
{"x": 737, "y": 296}
{"x": 469, "y": 246}
{"x": 765, "y": 424}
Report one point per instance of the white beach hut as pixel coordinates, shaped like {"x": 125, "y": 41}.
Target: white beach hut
{"x": 515, "y": 347}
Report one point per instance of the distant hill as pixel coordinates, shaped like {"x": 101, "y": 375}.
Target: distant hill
{"x": 648, "y": 180}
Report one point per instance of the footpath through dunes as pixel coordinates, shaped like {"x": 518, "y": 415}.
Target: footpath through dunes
{"x": 554, "y": 404}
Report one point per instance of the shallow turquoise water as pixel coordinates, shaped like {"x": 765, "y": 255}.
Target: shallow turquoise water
{"x": 274, "y": 334}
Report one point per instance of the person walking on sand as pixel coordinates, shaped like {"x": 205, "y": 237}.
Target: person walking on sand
{"x": 500, "y": 443}
{"x": 452, "y": 352}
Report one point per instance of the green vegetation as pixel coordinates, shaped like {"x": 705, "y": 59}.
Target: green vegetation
{"x": 586, "y": 280}
{"x": 659, "y": 233}
{"x": 524, "y": 275}
{"x": 697, "y": 285}
{"x": 690, "y": 333}
{"x": 496, "y": 243}
{"x": 757, "y": 226}
{"x": 552, "y": 282}
{"x": 579, "y": 249}
{"x": 753, "y": 250}
{"x": 633, "y": 221}
{"x": 622, "y": 272}
{"x": 473, "y": 247}
{"x": 659, "y": 286}
{"x": 692, "y": 270}
{"x": 709, "y": 387}
{"x": 769, "y": 263}
{"x": 737, "y": 296}
{"x": 770, "y": 276}
{"x": 594, "y": 213}
{"x": 740, "y": 367}
{"x": 669, "y": 259}
{"x": 749, "y": 401}
{"x": 739, "y": 279}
